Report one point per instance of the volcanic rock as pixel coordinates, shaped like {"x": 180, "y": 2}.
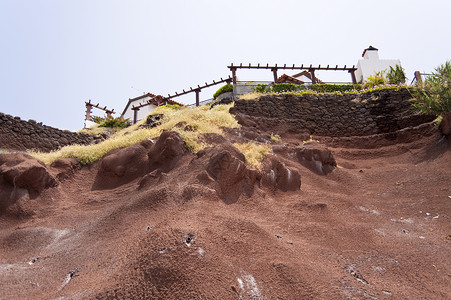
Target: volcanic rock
{"x": 64, "y": 168}
{"x": 167, "y": 151}
{"x": 226, "y": 172}
{"x": 123, "y": 165}
{"x": 317, "y": 158}
{"x": 23, "y": 171}
{"x": 278, "y": 176}
{"x": 445, "y": 125}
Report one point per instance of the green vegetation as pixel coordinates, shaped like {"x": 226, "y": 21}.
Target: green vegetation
{"x": 111, "y": 122}
{"x": 285, "y": 87}
{"x": 319, "y": 88}
{"x": 396, "y": 75}
{"x": 224, "y": 89}
{"x": 275, "y": 137}
{"x": 375, "y": 80}
{"x": 202, "y": 119}
{"x": 310, "y": 140}
{"x": 433, "y": 96}
{"x": 378, "y": 83}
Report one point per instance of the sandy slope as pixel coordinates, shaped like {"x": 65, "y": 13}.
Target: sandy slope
{"x": 377, "y": 227}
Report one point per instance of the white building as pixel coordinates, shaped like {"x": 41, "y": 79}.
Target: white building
{"x": 128, "y": 112}
{"x": 150, "y": 102}
{"x": 370, "y": 64}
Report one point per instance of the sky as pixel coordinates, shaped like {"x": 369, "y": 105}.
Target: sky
{"x": 57, "y": 54}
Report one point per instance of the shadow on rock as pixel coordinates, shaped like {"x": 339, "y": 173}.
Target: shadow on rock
{"x": 121, "y": 166}
{"x": 277, "y": 176}
{"x": 316, "y": 158}
{"x": 226, "y": 172}
{"x": 21, "y": 178}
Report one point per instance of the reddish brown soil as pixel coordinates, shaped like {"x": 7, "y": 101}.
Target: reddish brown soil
{"x": 376, "y": 227}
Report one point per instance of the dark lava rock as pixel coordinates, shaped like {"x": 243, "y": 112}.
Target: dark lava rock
{"x": 317, "y": 158}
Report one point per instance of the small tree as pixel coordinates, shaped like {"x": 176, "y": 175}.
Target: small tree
{"x": 396, "y": 75}
{"x": 433, "y": 96}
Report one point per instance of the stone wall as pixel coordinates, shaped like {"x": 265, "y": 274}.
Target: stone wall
{"x": 331, "y": 115}
{"x": 17, "y": 134}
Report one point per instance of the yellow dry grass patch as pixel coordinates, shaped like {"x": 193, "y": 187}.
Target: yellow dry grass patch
{"x": 202, "y": 119}
{"x": 251, "y": 96}
{"x": 254, "y": 153}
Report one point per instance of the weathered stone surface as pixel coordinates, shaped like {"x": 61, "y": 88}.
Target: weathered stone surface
{"x": 167, "y": 151}
{"x": 123, "y": 165}
{"x": 17, "y": 134}
{"x": 317, "y": 158}
{"x": 445, "y": 125}
{"x": 331, "y": 115}
{"x": 226, "y": 172}
{"x": 23, "y": 171}
{"x": 277, "y": 176}
{"x": 64, "y": 168}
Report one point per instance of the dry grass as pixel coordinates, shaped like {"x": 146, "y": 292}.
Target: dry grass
{"x": 254, "y": 153}
{"x": 202, "y": 119}
{"x": 251, "y": 96}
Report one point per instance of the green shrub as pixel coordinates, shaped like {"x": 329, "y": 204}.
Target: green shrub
{"x": 224, "y": 89}
{"x": 262, "y": 88}
{"x": 396, "y": 75}
{"x": 320, "y": 88}
{"x": 97, "y": 119}
{"x": 433, "y": 96}
{"x": 375, "y": 80}
{"x": 285, "y": 87}
{"x": 330, "y": 88}
{"x": 114, "y": 123}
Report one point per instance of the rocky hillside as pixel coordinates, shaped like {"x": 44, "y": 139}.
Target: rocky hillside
{"x": 322, "y": 217}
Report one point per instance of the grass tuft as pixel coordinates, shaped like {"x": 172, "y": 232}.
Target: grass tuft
{"x": 254, "y": 153}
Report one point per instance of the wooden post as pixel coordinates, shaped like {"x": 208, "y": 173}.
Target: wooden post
{"x": 312, "y": 72}
{"x": 354, "y": 80}
{"x": 274, "y": 72}
{"x": 234, "y": 75}
{"x": 418, "y": 76}
{"x": 197, "y": 97}
{"x": 135, "y": 115}
{"x": 88, "y": 111}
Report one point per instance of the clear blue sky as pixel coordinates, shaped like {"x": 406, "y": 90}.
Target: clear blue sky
{"x": 55, "y": 54}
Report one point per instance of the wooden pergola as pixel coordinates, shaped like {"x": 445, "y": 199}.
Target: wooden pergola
{"x": 198, "y": 89}
{"x": 160, "y": 100}
{"x": 310, "y": 69}
{"x": 89, "y": 107}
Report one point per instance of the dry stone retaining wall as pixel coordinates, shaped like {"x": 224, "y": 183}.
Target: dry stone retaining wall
{"x": 17, "y": 134}
{"x": 331, "y": 115}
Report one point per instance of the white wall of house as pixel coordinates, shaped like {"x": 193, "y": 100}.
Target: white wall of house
{"x": 142, "y": 112}
{"x": 370, "y": 64}
{"x": 303, "y": 78}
